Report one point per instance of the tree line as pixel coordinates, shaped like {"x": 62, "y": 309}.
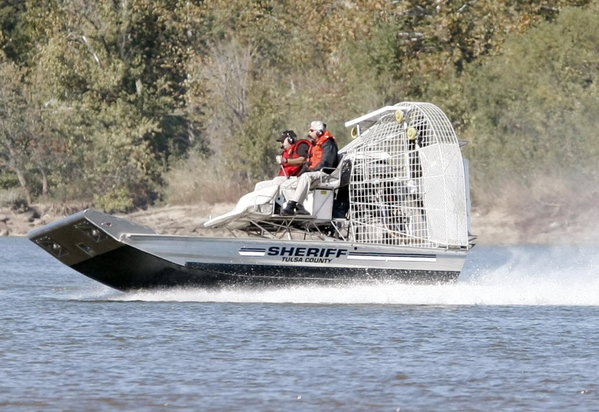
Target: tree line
{"x": 124, "y": 103}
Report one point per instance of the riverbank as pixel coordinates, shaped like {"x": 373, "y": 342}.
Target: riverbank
{"x": 494, "y": 227}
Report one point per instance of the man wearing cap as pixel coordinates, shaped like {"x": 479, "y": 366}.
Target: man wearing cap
{"x": 295, "y": 153}
{"x": 323, "y": 154}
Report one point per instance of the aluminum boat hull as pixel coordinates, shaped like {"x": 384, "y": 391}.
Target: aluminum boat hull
{"x": 128, "y": 256}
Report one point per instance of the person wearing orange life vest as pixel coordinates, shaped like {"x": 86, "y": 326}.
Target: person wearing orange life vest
{"x": 323, "y": 154}
{"x": 295, "y": 153}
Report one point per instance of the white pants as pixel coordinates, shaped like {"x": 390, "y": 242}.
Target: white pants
{"x": 281, "y": 181}
{"x": 304, "y": 183}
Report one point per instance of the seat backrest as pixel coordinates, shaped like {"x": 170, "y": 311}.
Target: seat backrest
{"x": 344, "y": 169}
{"x": 339, "y": 159}
{"x": 339, "y": 176}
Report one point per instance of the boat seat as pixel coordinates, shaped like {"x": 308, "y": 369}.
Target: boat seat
{"x": 337, "y": 177}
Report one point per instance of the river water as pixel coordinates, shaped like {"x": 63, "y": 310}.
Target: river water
{"x": 518, "y": 331}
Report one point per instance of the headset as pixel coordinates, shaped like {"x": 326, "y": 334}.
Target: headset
{"x": 290, "y": 136}
{"x": 320, "y": 131}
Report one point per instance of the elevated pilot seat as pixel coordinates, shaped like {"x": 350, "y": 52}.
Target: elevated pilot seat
{"x": 329, "y": 197}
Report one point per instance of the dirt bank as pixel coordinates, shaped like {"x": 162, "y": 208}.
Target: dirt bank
{"x": 497, "y": 227}
{"x": 175, "y": 220}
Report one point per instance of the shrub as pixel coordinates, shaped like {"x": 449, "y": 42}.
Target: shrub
{"x": 201, "y": 180}
{"x": 14, "y": 198}
{"x": 117, "y": 200}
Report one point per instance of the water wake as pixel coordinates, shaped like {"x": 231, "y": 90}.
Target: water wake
{"x": 520, "y": 275}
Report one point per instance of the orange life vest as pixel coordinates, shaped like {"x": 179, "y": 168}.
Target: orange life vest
{"x": 316, "y": 149}
{"x": 292, "y": 153}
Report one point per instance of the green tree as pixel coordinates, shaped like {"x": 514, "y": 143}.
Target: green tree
{"x": 31, "y": 147}
{"x": 533, "y": 105}
{"x": 124, "y": 89}
{"x": 15, "y": 126}
{"x": 117, "y": 68}
{"x": 13, "y": 42}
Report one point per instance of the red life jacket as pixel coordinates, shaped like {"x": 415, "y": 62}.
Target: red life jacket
{"x": 316, "y": 149}
{"x": 291, "y": 153}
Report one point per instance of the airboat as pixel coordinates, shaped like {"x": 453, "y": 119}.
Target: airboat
{"x": 396, "y": 208}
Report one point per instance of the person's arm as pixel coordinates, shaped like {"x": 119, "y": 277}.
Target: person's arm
{"x": 303, "y": 149}
{"x": 294, "y": 161}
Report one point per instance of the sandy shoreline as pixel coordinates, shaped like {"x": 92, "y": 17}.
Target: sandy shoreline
{"x": 494, "y": 227}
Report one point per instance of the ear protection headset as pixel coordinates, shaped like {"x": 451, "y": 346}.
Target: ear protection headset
{"x": 320, "y": 131}
{"x": 290, "y": 136}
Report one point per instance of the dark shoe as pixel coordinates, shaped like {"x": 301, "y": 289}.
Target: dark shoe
{"x": 289, "y": 210}
{"x": 300, "y": 210}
